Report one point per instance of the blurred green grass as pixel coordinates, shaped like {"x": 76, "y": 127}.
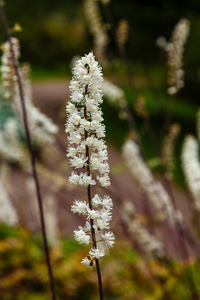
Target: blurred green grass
{"x": 44, "y": 74}
{"x": 126, "y": 274}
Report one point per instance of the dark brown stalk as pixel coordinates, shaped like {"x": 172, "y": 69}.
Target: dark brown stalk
{"x": 89, "y": 193}
{"x": 6, "y": 26}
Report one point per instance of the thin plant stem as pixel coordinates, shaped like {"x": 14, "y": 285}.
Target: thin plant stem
{"x": 89, "y": 193}
{"x": 37, "y": 186}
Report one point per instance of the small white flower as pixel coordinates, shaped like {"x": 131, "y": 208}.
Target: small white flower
{"x": 75, "y": 118}
{"x": 80, "y": 207}
{"x": 89, "y": 103}
{"x": 85, "y": 180}
{"x": 81, "y": 236}
{"x": 87, "y": 227}
{"x": 104, "y": 180}
{"x": 86, "y": 124}
{"x": 104, "y": 168}
{"x": 78, "y": 161}
{"x": 100, "y": 132}
{"x": 96, "y": 200}
{"x": 74, "y": 178}
{"x": 79, "y": 97}
{"x": 71, "y": 108}
{"x": 93, "y": 214}
{"x": 105, "y": 215}
{"x": 94, "y": 125}
{"x": 109, "y": 238}
{"x": 71, "y": 152}
{"x": 85, "y": 79}
{"x": 101, "y": 224}
{"x": 75, "y": 137}
{"x": 89, "y": 141}
{"x": 81, "y": 148}
{"x": 103, "y": 155}
{"x": 107, "y": 202}
{"x": 97, "y": 253}
{"x": 88, "y": 262}
{"x": 95, "y": 163}
{"x": 69, "y": 128}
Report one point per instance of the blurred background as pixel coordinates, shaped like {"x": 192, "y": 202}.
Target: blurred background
{"x": 54, "y": 33}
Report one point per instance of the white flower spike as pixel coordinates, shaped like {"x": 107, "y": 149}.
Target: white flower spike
{"x": 87, "y": 153}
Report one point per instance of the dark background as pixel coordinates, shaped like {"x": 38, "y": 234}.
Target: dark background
{"x": 54, "y": 31}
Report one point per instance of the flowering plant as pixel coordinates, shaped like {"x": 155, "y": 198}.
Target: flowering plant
{"x": 88, "y": 152}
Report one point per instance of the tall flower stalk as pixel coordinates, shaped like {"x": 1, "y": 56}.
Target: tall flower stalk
{"x": 88, "y": 154}
{"x": 29, "y": 142}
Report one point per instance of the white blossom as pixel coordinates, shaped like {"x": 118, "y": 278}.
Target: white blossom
{"x": 86, "y": 180}
{"x": 107, "y": 202}
{"x": 93, "y": 214}
{"x": 80, "y": 207}
{"x": 74, "y": 178}
{"x": 88, "y": 154}
{"x": 78, "y": 161}
{"x": 88, "y": 262}
{"x": 109, "y": 238}
{"x": 97, "y": 253}
{"x": 104, "y": 180}
{"x": 81, "y": 236}
{"x": 101, "y": 224}
{"x": 96, "y": 200}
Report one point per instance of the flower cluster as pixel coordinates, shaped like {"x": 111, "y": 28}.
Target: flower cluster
{"x": 100, "y": 213}
{"x": 88, "y": 152}
{"x": 153, "y": 188}
{"x": 42, "y": 128}
{"x": 191, "y": 168}
{"x": 113, "y": 93}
